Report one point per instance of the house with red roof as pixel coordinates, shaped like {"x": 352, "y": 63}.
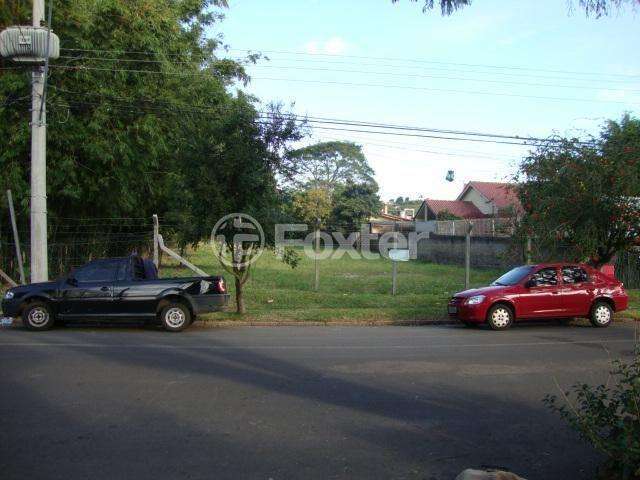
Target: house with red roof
{"x": 477, "y": 200}
{"x": 494, "y": 199}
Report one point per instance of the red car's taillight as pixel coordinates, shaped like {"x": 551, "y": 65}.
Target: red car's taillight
{"x": 220, "y": 285}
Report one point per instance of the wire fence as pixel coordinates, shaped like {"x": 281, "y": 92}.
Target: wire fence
{"x": 74, "y": 241}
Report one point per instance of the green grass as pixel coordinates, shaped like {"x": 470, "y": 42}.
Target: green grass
{"x": 634, "y": 304}
{"x": 355, "y": 290}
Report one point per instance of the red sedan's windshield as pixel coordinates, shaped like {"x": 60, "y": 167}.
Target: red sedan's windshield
{"x": 513, "y": 276}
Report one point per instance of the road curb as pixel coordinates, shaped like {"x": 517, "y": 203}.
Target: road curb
{"x": 329, "y": 323}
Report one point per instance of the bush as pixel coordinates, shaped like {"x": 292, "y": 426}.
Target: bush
{"x": 291, "y": 257}
{"x": 608, "y": 418}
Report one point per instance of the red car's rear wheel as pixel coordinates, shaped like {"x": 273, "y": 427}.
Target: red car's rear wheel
{"x": 601, "y": 315}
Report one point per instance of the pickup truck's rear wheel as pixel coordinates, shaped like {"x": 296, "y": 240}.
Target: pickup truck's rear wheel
{"x": 175, "y": 317}
{"x": 38, "y": 316}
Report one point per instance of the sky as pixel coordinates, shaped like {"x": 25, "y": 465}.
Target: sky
{"x": 524, "y": 67}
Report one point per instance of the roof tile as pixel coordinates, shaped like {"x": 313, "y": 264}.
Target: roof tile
{"x": 459, "y": 208}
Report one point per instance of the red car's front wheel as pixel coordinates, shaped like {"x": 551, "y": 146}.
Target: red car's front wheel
{"x": 500, "y": 317}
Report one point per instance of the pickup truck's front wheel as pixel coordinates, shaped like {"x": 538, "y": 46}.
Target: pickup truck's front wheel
{"x": 38, "y": 316}
{"x": 175, "y": 317}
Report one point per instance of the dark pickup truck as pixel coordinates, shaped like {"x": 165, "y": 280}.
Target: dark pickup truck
{"x": 116, "y": 288}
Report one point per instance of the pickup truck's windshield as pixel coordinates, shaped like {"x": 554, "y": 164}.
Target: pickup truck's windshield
{"x": 514, "y": 276}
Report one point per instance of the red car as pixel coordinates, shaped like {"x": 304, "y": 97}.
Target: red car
{"x": 559, "y": 290}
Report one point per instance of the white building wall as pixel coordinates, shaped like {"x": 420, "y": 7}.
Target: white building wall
{"x": 479, "y": 201}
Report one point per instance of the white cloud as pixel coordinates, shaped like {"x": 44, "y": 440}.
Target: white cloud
{"x": 335, "y": 46}
{"x": 611, "y": 95}
{"x": 332, "y": 46}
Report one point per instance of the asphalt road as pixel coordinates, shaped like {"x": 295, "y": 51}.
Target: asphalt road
{"x": 295, "y": 402}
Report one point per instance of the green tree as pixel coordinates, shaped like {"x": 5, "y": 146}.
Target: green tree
{"x": 585, "y": 195}
{"x": 113, "y": 135}
{"x": 132, "y": 134}
{"x": 312, "y": 205}
{"x": 328, "y": 165}
{"x": 354, "y": 204}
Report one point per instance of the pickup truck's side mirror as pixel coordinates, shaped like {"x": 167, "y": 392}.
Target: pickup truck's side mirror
{"x": 72, "y": 281}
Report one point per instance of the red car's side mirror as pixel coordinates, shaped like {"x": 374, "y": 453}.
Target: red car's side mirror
{"x": 529, "y": 283}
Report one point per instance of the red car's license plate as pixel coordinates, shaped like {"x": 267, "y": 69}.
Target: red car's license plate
{"x": 452, "y": 309}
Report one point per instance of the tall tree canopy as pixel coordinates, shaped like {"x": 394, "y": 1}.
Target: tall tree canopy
{"x": 585, "y": 195}
{"x": 144, "y": 117}
{"x": 329, "y": 164}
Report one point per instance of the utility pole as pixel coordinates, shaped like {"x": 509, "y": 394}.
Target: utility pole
{"x": 39, "y": 261}
{"x": 35, "y": 46}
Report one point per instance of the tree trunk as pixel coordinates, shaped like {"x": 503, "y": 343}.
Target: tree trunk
{"x": 240, "y": 307}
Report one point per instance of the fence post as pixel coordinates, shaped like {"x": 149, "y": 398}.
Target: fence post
{"x": 16, "y": 239}
{"x": 316, "y": 285}
{"x": 467, "y": 257}
{"x": 156, "y": 232}
{"x": 7, "y": 279}
{"x": 394, "y": 264}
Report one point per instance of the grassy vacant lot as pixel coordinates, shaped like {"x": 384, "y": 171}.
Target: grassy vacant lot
{"x": 350, "y": 289}
{"x": 355, "y": 290}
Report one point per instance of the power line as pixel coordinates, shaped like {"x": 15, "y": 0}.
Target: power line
{"x": 367, "y": 72}
{"x": 443, "y": 90}
{"x": 444, "y": 69}
{"x": 352, "y": 84}
{"x": 321, "y": 121}
{"x": 414, "y": 60}
{"x": 427, "y": 136}
{"x": 252, "y": 63}
{"x": 423, "y": 129}
{"x": 339, "y": 122}
{"x": 408, "y": 60}
{"x": 133, "y": 108}
{"x": 451, "y": 152}
{"x": 504, "y": 82}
